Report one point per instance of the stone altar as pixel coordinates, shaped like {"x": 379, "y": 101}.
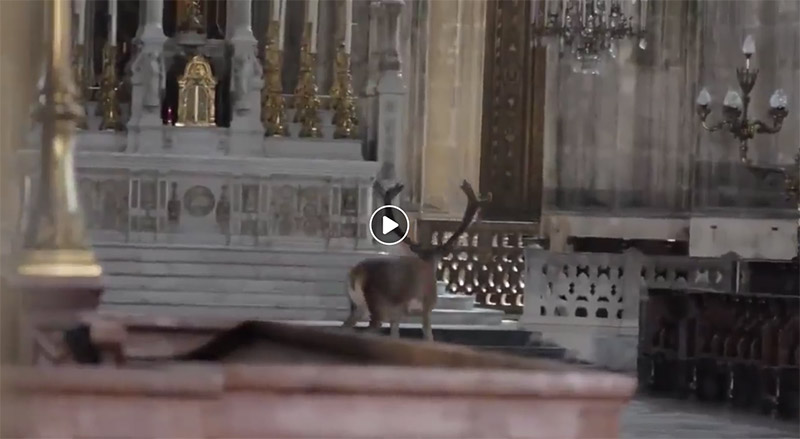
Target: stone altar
{"x": 206, "y": 216}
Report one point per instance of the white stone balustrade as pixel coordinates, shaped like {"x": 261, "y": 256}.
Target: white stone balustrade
{"x": 586, "y": 302}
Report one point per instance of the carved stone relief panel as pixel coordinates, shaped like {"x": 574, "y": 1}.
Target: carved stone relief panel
{"x": 249, "y": 209}
{"x": 349, "y": 212}
{"x": 314, "y": 205}
{"x": 282, "y": 207}
{"x": 104, "y": 200}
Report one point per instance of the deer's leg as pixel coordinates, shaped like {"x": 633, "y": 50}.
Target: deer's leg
{"x": 395, "y": 331}
{"x": 427, "y": 330}
{"x": 375, "y": 317}
{"x": 356, "y": 314}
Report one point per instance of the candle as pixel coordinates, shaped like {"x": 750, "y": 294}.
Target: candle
{"x": 313, "y": 18}
{"x": 283, "y": 6}
{"x": 112, "y": 11}
{"x": 80, "y": 9}
{"x": 348, "y": 25}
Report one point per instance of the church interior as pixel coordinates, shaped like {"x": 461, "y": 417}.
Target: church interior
{"x": 603, "y": 194}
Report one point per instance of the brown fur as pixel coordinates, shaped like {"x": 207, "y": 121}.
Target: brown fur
{"x": 392, "y": 287}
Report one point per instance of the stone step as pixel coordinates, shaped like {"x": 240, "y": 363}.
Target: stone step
{"x": 443, "y": 317}
{"x": 225, "y": 271}
{"x": 211, "y": 299}
{"x": 224, "y": 255}
{"x": 223, "y": 285}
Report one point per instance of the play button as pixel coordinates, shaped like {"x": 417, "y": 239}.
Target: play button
{"x": 389, "y": 225}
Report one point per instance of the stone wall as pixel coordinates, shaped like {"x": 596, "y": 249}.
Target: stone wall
{"x": 629, "y": 141}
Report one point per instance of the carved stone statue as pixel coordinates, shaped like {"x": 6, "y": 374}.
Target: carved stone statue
{"x": 247, "y": 78}
{"x": 148, "y": 70}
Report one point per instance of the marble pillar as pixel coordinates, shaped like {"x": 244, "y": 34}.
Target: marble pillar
{"x": 148, "y": 82}
{"x": 391, "y": 91}
{"x": 246, "y": 75}
{"x": 454, "y": 104}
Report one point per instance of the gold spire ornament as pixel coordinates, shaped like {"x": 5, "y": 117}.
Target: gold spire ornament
{"x": 306, "y": 101}
{"x": 78, "y": 72}
{"x": 55, "y": 245}
{"x": 273, "y": 105}
{"x": 109, "y": 88}
{"x": 342, "y": 101}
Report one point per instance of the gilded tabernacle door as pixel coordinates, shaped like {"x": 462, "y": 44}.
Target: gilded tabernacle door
{"x": 196, "y": 91}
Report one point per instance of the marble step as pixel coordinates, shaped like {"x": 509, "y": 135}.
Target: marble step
{"x": 223, "y": 271}
{"x": 211, "y": 299}
{"x": 222, "y": 285}
{"x": 471, "y": 317}
{"x": 223, "y": 255}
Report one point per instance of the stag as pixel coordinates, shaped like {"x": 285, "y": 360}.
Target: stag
{"x": 390, "y": 288}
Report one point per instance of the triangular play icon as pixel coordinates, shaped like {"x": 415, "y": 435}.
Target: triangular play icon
{"x": 388, "y": 225}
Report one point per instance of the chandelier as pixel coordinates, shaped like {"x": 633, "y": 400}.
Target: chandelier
{"x": 589, "y": 30}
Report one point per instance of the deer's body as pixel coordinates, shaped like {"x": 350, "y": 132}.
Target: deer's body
{"x": 393, "y": 287}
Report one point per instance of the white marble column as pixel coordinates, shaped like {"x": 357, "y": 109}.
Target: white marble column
{"x": 454, "y": 101}
{"x": 246, "y": 81}
{"x": 148, "y": 80}
{"x": 391, "y": 90}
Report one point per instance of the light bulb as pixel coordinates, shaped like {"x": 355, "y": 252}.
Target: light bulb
{"x": 749, "y": 46}
{"x": 778, "y": 99}
{"x": 733, "y": 100}
{"x": 704, "y": 98}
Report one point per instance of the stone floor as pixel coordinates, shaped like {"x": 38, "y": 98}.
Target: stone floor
{"x": 649, "y": 418}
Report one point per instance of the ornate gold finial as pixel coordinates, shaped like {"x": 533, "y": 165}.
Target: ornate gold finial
{"x": 306, "y": 101}
{"x": 55, "y": 245}
{"x": 109, "y": 87}
{"x": 193, "y": 20}
{"x": 196, "y": 93}
{"x": 272, "y": 102}
{"x": 78, "y": 72}
{"x": 342, "y": 103}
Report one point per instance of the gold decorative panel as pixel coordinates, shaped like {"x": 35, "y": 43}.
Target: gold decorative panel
{"x": 513, "y": 114}
{"x": 196, "y": 92}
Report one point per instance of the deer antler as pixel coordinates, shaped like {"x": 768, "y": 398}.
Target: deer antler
{"x": 388, "y": 195}
{"x": 474, "y": 204}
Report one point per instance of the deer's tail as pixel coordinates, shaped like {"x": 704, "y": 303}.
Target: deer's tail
{"x": 355, "y": 287}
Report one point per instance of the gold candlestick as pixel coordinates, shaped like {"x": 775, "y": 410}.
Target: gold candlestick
{"x": 55, "y": 245}
{"x": 342, "y": 103}
{"x": 109, "y": 86}
{"x": 306, "y": 100}
{"x": 78, "y": 72}
{"x": 272, "y": 102}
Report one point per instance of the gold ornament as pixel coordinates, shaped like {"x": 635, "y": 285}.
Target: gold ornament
{"x": 196, "y": 93}
{"x": 109, "y": 87}
{"x": 272, "y": 103}
{"x": 56, "y": 245}
{"x": 342, "y": 102}
{"x": 306, "y": 101}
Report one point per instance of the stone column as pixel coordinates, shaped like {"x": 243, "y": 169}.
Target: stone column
{"x": 246, "y": 81}
{"x": 148, "y": 79}
{"x": 391, "y": 92}
{"x": 373, "y": 72}
{"x": 454, "y": 104}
